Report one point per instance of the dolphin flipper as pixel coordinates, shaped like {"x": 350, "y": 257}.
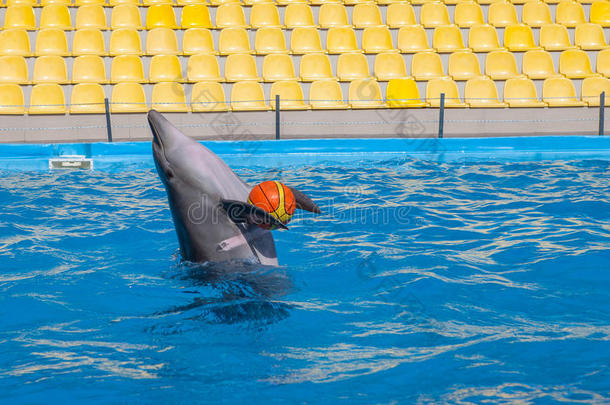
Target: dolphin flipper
{"x": 241, "y": 212}
{"x": 304, "y": 203}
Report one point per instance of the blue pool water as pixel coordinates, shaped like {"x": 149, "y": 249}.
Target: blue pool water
{"x": 422, "y": 282}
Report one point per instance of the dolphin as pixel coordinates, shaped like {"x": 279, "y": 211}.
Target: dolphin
{"x": 208, "y": 201}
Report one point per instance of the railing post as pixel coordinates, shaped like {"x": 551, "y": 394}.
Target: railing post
{"x": 277, "y": 116}
{"x": 441, "y": 117}
{"x": 602, "y": 101}
{"x": 108, "y": 124}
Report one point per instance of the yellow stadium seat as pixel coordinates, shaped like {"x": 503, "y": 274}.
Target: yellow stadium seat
{"x": 234, "y": 40}
{"x": 326, "y": 95}
{"x": 165, "y": 68}
{"x": 88, "y": 41}
{"x": 502, "y": 14}
{"x": 269, "y": 40}
{"x": 412, "y": 39}
{"x": 464, "y": 66}
{"x": 341, "y": 40}
{"x": 161, "y": 41}
{"x": 125, "y": 16}
{"x": 208, "y": 96}
{"x": 51, "y": 41}
{"x": 156, "y": 2}
{"x": 446, "y": 85}
{"x": 11, "y": 99}
{"x": 127, "y": 68}
{"x": 390, "y": 66}
{"x": 321, "y": 2}
{"x": 575, "y": 64}
{"x": 377, "y": 40}
{"x": 50, "y": 69}
{"x": 290, "y": 2}
{"x": 355, "y": 2}
{"x": 198, "y": 41}
{"x": 352, "y": 66}
{"x": 501, "y": 65}
{"x": 536, "y": 14}
{"x": 11, "y": 3}
{"x": 221, "y": 2}
{"x": 426, "y": 66}
{"x": 365, "y": 93}
{"x": 388, "y": 2}
{"x": 590, "y": 37}
{"x": 521, "y": 92}
{"x": 538, "y": 64}
{"x": 160, "y": 15}
{"x": 87, "y": 98}
{"x": 195, "y": 16}
{"x": 592, "y": 87}
{"x": 253, "y": 2}
{"x": 448, "y": 38}
{"x": 230, "y": 15}
{"x": 332, "y": 15}
{"x": 432, "y": 14}
{"x": 291, "y": 95}
{"x": 19, "y": 17}
{"x": 298, "y": 15}
{"x": 80, "y": 3}
{"x": 403, "y": 93}
{"x": 55, "y": 16}
{"x": 264, "y": 15}
{"x": 13, "y": 69}
{"x": 125, "y": 41}
{"x": 481, "y": 92}
{"x": 483, "y": 38}
{"x": 67, "y": 3}
{"x": 600, "y": 13}
{"x": 14, "y": 42}
{"x": 88, "y": 69}
{"x": 555, "y": 37}
{"x": 240, "y": 67}
{"x": 203, "y": 68}
{"x": 315, "y": 66}
{"x": 400, "y": 15}
{"x": 366, "y": 15}
{"x": 168, "y": 97}
{"x": 190, "y": 2}
{"x": 518, "y": 38}
{"x": 114, "y": 3}
{"x": 128, "y": 98}
{"x": 560, "y": 92}
{"x": 47, "y": 98}
{"x": 90, "y": 16}
{"x": 603, "y": 62}
{"x": 305, "y": 40}
{"x": 467, "y": 14}
{"x": 569, "y": 13}
{"x": 248, "y": 96}
{"x": 278, "y": 67}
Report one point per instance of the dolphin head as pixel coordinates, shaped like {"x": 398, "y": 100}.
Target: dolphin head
{"x": 196, "y": 180}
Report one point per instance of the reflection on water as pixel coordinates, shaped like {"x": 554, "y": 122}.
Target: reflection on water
{"x": 422, "y": 282}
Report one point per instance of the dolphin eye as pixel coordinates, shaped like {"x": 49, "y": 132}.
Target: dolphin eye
{"x": 169, "y": 173}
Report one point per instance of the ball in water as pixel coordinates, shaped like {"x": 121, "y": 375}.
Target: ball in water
{"x": 275, "y": 198}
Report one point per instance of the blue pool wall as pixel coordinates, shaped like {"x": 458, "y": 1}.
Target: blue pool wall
{"x": 271, "y": 153}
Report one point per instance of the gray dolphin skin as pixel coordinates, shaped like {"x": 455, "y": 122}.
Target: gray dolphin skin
{"x": 197, "y": 181}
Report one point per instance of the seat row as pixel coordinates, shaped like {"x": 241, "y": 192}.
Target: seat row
{"x": 499, "y": 65}
{"x": 480, "y": 92}
{"x": 433, "y": 14}
{"x": 413, "y": 39}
